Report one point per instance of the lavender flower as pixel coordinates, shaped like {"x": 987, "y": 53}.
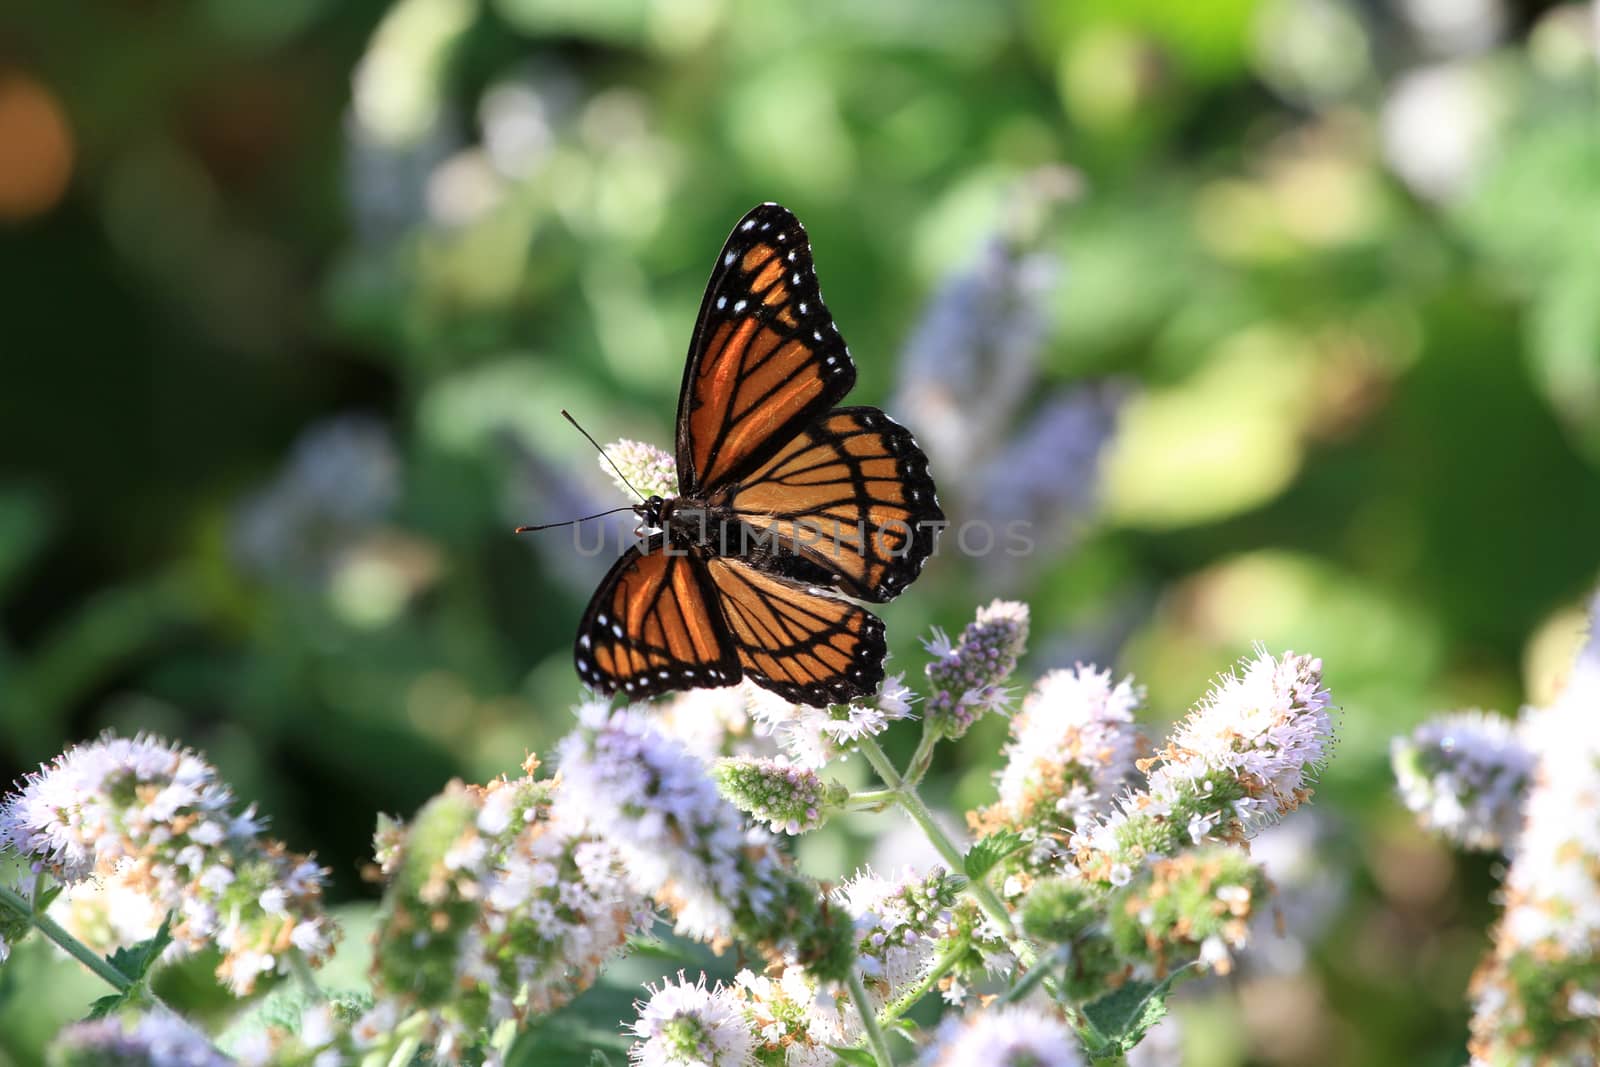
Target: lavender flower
{"x": 967, "y": 677}
{"x": 342, "y": 476}
{"x": 789, "y": 799}
{"x": 688, "y": 1025}
{"x": 496, "y": 910}
{"x": 813, "y": 737}
{"x": 1534, "y": 995}
{"x": 1242, "y": 758}
{"x": 1465, "y": 775}
{"x": 1072, "y": 750}
{"x": 1013, "y": 1036}
{"x": 972, "y": 359}
{"x": 152, "y": 1039}
{"x": 649, "y": 470}
{"x": 685, "y": 845}
{"x": 153, "y": 823}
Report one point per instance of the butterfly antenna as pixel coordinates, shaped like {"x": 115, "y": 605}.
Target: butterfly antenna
{"x": 566, "y": 415}
{"x": 570, "y": 522}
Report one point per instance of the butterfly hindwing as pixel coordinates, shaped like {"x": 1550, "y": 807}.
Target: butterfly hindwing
{"x": 850, "y": 494}
{"x": 653, "y": 626}
{"x": 798, "y": 641}
{"x": 765, "y": 358}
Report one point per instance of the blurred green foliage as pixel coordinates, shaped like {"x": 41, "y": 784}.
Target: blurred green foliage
{"x": 1340, "y": 256}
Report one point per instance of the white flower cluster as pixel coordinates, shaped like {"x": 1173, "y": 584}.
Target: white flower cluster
{"x": 712, "y": 723}
{"x": 1243, "y": 757}
{"x": 1534, "y": 996}
{"x": 902, "y": 924}
{"x": 685, "y": 1024}
{"x": 1072, "y": 750}
{"x": 682, "y": 843}
{"x": 648, "y": 469}
{"x": 497, "y": 909}
{"x": 1013, "y": 1036}
{"x": 813, "y": 737}
{"x": 1464, "y": 775}
{"x": 155, "y": 828}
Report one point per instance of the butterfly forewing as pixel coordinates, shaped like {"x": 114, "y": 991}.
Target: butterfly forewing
{"x": 851, "y": 495}
{"x": 654, "y": 625}
{"x": 798, "y": 641}
{"x": 765, "y": 358}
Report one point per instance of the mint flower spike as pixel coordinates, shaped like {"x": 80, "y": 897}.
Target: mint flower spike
{"x": 689, "y": 848}
{"x": 789, "y": 799}
{"x": 1071, "y": 753}
{"x": 1244, "y": 757}
{"x": 1464, "y": 776}
{"x": 967, "y": 677}
{"x": 685, "y": 1024}
{"x": 814, "y": 737}
{"x": 496, "y": 910}
{"x": 158, "y": 831}
{"x": 1534, "y": 996}
{"x": 151, "y": 1039}
{"x": 647, "y": 468}
{"x": 1010, "y": 1036}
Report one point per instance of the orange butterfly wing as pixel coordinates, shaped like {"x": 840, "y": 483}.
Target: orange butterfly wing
{"x": 765, "y": 358}
{"x": 798, "y": 641}
{"x": 850, "y": 496}
{"x": 654, "y": 625}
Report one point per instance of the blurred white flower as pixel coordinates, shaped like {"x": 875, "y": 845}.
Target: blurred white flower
{"x": 1465, "y": 775}
{"x": 1012, "y": 1036}
{"x": 154, "y": 1039}
{"x": 1456, "y": 27}
{"x": 1439, "y": 127}
{"x": 685, "y": 1024}
{"x": 1533, "y": 995}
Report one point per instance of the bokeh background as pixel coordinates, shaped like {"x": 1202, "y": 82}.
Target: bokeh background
{"x": 1279, "y": 320}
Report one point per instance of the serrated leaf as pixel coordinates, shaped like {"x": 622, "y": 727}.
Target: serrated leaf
{"x": 1124, "y": 1016}
{"x": 107, "y": 1005}
{"x": 986, "y": 855}
{"x": 856, "y": 1057}
{"x": 46, "y": 897}
{"x": 136, "y": 960}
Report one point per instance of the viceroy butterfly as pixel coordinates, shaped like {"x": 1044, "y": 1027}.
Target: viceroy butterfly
{"x": 787, "y": 505}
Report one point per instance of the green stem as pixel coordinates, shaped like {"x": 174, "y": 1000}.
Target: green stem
{"x": 69, "y": 944}
{"x": 871, "y": 798}
{"x": 869, "y": 1021}
{"x": 941, "y": 967}
{"x": 303, "y": 974}
{"x": 922, "y": 758}
{"x": 907, "y": 795}
{"x": 1038, "y": 973}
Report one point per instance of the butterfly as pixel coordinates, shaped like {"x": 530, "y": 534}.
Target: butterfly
{"x": 788, "y": 509}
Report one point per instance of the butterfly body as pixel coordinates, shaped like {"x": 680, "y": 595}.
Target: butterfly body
{"x": 787, "y": 505}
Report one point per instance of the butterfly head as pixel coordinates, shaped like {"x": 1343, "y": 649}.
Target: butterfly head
{"x": 652, "y": 513}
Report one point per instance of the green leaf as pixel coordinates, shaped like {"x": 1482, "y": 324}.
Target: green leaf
{"x": 855, "y": 1057}
{"x": 984, "y": 856}
{"x": 1122, "y": 1017}
{"x": 136, "y": 961}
